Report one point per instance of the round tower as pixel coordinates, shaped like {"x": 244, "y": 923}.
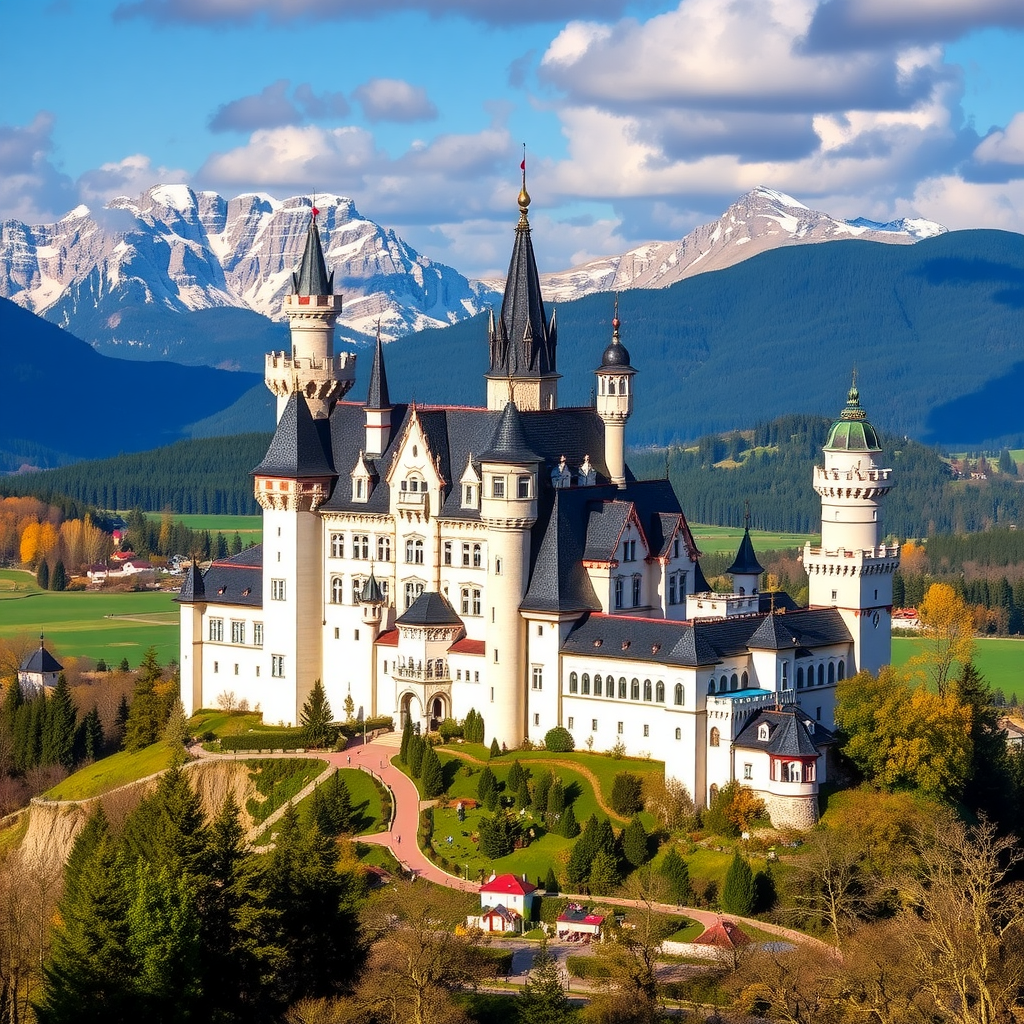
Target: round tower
{"x": 852, "y": 570}
{"x": 312, "y": 308}
{"x": 615, "y": 401}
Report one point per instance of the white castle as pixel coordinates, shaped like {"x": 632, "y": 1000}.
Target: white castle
{"x": 427, "y": 560}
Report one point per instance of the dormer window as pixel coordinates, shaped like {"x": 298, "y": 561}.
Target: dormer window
{"x": 763, "y": 732}
{"x": 468, "y": 496}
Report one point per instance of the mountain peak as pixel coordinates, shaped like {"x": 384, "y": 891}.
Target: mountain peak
{"x": 775, "y": 196}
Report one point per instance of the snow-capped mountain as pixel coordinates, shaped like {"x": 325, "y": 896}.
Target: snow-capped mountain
{"x": 187, "y": 251}
{"x": 762, "y": 219}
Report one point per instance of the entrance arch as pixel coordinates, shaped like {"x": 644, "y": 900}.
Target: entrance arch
{"x": 438, "y": 706}
{"x": 409, "y": 709}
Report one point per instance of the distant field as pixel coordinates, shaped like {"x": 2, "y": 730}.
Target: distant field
{"x": 91, "y": 625}
{"x": 250, "y": 527}
{"x": 711, "y": 539}
{"x": 1000, "y": 661}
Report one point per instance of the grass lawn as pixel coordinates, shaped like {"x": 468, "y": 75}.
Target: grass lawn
{"x": 727, "y": 538}
{"x": 687, "y": 933}
{"x": 249, "y": 528}
{"x": 111, "y": 772}
{"x": 90, "y": 624}
{"x": 999, "y": 659}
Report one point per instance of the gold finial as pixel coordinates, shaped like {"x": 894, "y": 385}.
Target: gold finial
{"x": 524, "y": 196}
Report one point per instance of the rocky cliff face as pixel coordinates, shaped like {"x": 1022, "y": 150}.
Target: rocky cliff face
{"x": 185, "y": 251}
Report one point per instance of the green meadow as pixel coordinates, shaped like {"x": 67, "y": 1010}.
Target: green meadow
{"x": 249, "y": 528}
{"x": 89, "y": 624}
{"x": 713, "y": 539}
{"x": 999, "y": 659}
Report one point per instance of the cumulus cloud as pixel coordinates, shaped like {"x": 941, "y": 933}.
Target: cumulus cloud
{"x": 128, "y": 177}
{"x": 859, "y": 24}
{"x": 31, "y": 187}
{"x": 1005, "y": 147}
{"x": 961, "y": 204}
{"x": 273, "y": 108}
{"x": 392, "y": 99}
{"x": 495, "y": 12}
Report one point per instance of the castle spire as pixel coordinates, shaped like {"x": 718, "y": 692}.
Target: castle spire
{"x": 377, "y": 396}
{"x": 312, "y": 277}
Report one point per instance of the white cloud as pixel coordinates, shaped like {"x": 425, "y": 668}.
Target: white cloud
{"x": 962, "y": 204}
{"x": 130, "y": 176}
{"x": 31, "y": 188}
{"x": 392, "y": 99}
{"x": 1006, "y": 146}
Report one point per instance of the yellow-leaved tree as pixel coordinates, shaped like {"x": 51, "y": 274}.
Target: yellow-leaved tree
{"x": 947, "y": 626}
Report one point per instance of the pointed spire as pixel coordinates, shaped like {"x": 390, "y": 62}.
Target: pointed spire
{"x": 745, "y": 563}
{"x": 616, "y": 355}
{"x": 509, "y": 441}
{"x": 312, "y": 277}
{"x": 377, "y": 396}
{"x": 371, "y": 592}
{"x": 192, "y": 589}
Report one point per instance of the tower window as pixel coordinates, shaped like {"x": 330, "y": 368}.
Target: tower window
{"x": 574, "y": 683}
{"x": 257, "y": 634}
{"x": 465, "y": 554}
{"x": 585, "y": 683}
{"x": 337, "y": 590}
{"x": 217, "y": 630}
{"x": 538, "y": 677}
{"x": 478, "y": 557}
{"x": 498, "y": 487}
{"x": 414, "y": 551}
{"x": 468, "y": 495}
{"x": 523, "y": 487}
{"x": 636, "y": 591}
{"x": 477, "y": 606}
{"x": 647, "y": 730}
{"x": 835, "y": 595}
{"x": 360, "y": 546}
{"x": 237, "y": 632}
{"x": 634, "y": 690}
{"x": 277, "y": 590}
{"x": 277, "y": 666}
{"x": 619, "y": 590}
{"x": 679, "y": 734}
{"x": 679, "y": 693}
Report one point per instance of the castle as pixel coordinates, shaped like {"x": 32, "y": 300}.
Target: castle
{"x": 428, "y": 560}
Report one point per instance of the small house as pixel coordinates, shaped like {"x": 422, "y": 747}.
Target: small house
{"x": 578, "y": 924}
{"x": 38, "y": 671}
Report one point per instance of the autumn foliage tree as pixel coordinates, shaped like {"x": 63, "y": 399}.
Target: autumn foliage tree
{"x": 947, "y": 626}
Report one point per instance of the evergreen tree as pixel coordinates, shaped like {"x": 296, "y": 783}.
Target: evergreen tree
{"x": 556, "y": 798}
{"x": 416, "y": 751}
{"x": 738, "y": 889}
{"x": 626, "y": 793}
{"x": 101, "y": 666}
{"x": 143, "y": 725}
{"x": 567, "y": 824}
{"x": 550, "y": 882}
{"x": 523, "y": 794}
{"x": 541, "y": 789}
{"x": 59, "y": 579}
{"x": 89, "y": 741}
{"x": 515, "y": 777}
{"x": 236, "y": 544}
{"x": 43, "y": 575}
{"x": 604, "y": 873}
{"x": 577, "y": 870}
{"x": 634, "y": 843}
{"x": 498, "y": 835}
{"x": 495, "y": 749}
{"x": 124, "y": 666}
{"x": 58, "y": 741}
{"x": 403, "y": 750}
{"x": 316, "y": 718}
{"x": 431, "y": 774}
{"x": 491, "y": 800}
{"x": 485, "y": 784}
{"x": 765, "y": 893}
{"x": 676, "y": 873}
{"x": 542, "y": 1000}
{"x": 13, "y": 699}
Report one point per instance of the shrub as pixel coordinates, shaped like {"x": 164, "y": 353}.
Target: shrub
{"x": 495, "y": 962}
{"x": 449, "y": 729}
{"x": 738, "y": 893}
{"x": 277, "y": 740}
{"x": 586, "y": 967}
{"x": 559, "y": 740}
{"x": 495, "y": 749}
{"x": 626, "y": 793}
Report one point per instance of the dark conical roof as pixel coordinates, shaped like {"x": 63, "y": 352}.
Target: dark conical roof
{"x": 700, "y": 582}
{"x": 312, "y": 277}
{"x": 377, "y": 396}
{"x": 509, "y": 441}
{"x": 429, "y": 609}
{"x": 522, "y": 339}
{"x": 40, "y": 660}
{"x": 745, "y": 563}
{"x": 371, "y": 592}
{"x": 193, "y": 588}
{"x": 301, "y": 445}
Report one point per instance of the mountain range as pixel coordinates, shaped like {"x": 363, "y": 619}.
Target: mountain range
{"x": 199, "y": 279}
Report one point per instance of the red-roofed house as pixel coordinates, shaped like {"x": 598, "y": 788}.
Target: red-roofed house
{"x": 579, "y": 923}
{"x": 723, "y": 935}
{"x": 510, "y": 891}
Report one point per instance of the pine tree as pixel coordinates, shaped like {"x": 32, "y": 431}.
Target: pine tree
{"x": 541, "y": 789}
{"x": 58, "y": 746}
{"x": 143, "y": 725}
{"x": 59, "y": 579}
{"x": 43, "y": 575}
{"x": 677, "y": 874}
{"x": 403, "y": 750}
{"x": 604, "y": 873}
{"x": 316, "y": 718}
{"x": 89, "y": 741}
{"x": 495, "y": 749}
{"x": 634, "y": 843}
{"x": 431, "y": 774}
{"x": 416, "y": 750}
{"x": 567, "y": 824}
{"x": 491, "y": 800}
{"x": 550, "y": 882}
{"x": 523, "y": 794}
{"x": 485, "y": 784}
{"x": 738, "y": 889}
{"x": 515, "y": 777}
{"x": 556, "y": 798}
{"x": 543, "y": 1000}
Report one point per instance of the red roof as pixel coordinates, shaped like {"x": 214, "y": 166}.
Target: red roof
{"x": 388, "y": 639}
{"x": 724, "y": 935}
{"x": 509, "y": 884}
{"x": 467, "y": 646}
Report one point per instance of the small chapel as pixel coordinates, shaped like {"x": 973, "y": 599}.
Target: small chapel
{"x": 426, "y": 560}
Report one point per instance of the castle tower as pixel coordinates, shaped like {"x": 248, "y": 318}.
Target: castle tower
{"x": 371, "y": 604}
{"x": 508, "y": 507}
{"x": 615, "y": 401}
{"x": 746, "y": 569}
{"x": 192, "y": 593}
{"x": 378, "y": 404}
{"x": 312, "y": 309}
{"x": 522, "y": 340}
{"x": 852, "y": 570}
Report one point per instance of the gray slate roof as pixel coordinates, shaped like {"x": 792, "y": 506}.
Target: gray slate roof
{"x": 41, "y": 661}
{"x": 790, "y": 733}
{"x": 745, "y": 563}
{"x": 312, "y": 277}
{"x": 237, "y": 580}
{"x": 377, "y": 396}
{"x": 429, "y": 609}
{"x": 509, "y": 441}
{"x": 301, "y": 445}
{"x": 192, "y": 589}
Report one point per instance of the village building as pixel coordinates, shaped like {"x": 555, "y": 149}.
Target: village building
{"x": 38, "y": 670}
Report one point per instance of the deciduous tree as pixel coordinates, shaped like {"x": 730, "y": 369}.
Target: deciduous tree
{"x": 947, "y": 627}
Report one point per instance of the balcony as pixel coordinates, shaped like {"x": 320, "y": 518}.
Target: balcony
{"x": 432, "y": 670}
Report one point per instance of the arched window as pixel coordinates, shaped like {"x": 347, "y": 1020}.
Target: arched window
{"x": 800, "y": 678}
{"x": 659, "y": 692}
{"x": 337, "y": 590}
{"x": 821, "y": 675}
{"x": 597, "y": 686}
{"x": 715, "y": 738}
{"x": 414, "y": 551}
{"x": 622, "y": 687}
{"x": 634, "y": 689}
{"x": 744, "y": 681}
{"x": 647, "y": 689}
{"x": 841, "y": 673}
{"x": 477, "y": 556}
{"x": 711, "y": 685}
{"x": 586, "y": 682}
{"x": 679, "y": 734}
{"x": 723, "y": 684}
{"x": 831, "y": 672}
{"x": 679, "y": 694}
{"x": 734, "y": 683}
{"x": 574, "y": 683}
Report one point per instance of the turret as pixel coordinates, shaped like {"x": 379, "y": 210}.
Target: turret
{"x": 312, "y": 308}
{"x": 522, "y": 340}
{"x": 615, "y": 401}
{"x": 746, "y": 569}
{"x": 378, "y": 404}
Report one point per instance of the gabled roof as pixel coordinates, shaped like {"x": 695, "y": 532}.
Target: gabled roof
{"x": 192, "y": 588}
{"x": 791, "y": 733}
{"x": 429, "y": 609}
{"x": 377, "y": 396}
{"x": 605, "y": 523}
{"x": 235, "y": 580}
{"x": 745, "y": 562}
{"x": 40, "y": 661}
{"x": 508, "y": 444}
{"x": 301, "y": 445}
{"x": 508, "y": 885}
{"x": 774, "y": 634}
{"x": 312, "y": 277}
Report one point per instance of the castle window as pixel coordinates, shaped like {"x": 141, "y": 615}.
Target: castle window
{"x": 831, "y": 673}
{"x": 257, "y": 634}
{"x": 723, "y": 684}
{"x": 734, "y": 682}
{"x": 383, "y": 549}
{"x": 477, "y": 556}
{"x": 447, "y": 552}
{"x": 414, "y": 551}
{"x": 468, "y": 496}
{"x": 337, "y": 545}
{"x": 277, "y": 666}
{"x": 498, "y": 487}
{"x": 679, "y": 734}
{"x": 359, "y": 487}
{"x": 675, "y": 548}
{"x": 237, "y": 632}
{"x": 385, "y": 590}
{"x": 629, "y": 550}
{"x": 763, "y": 732}
{"x": 586, "y": 683}
{"x": 835, "y": 595}
{"x": 216, "y": 666}
{"x": 715, "y": 738}
{"x": 337, "y": 635}
{"x": 800, "y": 678}
{"x": 620, "y": 728}
{"x": 636, "y": 591}
{"x": 597, "y": 686}
{"x": 647, "y": 689}
{"x": 748, "y": 771}
{"x": 821, "y": 675}
{"x": 678, "y": 696}
{"x": 360, "y": 546}
{"x": 217, "y": 630}
{"x": 785, "y": 674}
{"x": 574, "y": 683}
{"x": 659, "y": 692}
{"x": 497, "y": 567}
{"x": 711, "y": 685}
{"x": 622, "y": 687}
{"x": 611, "y": 386}
{"x": 523, "y": 486}
{"x": 337, "y": 590}
{"x": 465, "y": 554}
{"x": 357, "y": 589}
{"x": 841, "y": 670}
{"x": 571, "y": 721}
{"x": 618, "y": 592}
{"x": 477, "y": 607}
{"x": 593, "y": 725}
{"x": 744, "y": 681}
{"x": 412, "y": 591}
{"x": 536, "y": 719}
{"x": 465, "y": 600}
{"x": 672, "y": 598}
{"x": 634, "y": 689}
{"x": 537, "y": 680}
{"x": 647, "y": 730}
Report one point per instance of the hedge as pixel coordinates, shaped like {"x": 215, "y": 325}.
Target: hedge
{"x": 586, "y": 967}
{"x": 498, "y": 961}
{"x": 264, "y": 741}
{"x": 356, "y": 728}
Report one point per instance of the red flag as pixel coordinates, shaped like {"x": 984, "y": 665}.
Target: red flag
{"x": 522, "y": 166}
{"x": 315, "y": 211}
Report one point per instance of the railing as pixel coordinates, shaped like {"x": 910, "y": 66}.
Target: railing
{"x": 435, "y": 669}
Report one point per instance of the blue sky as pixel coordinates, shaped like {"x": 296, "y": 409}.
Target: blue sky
{"x": 642, "y": 119}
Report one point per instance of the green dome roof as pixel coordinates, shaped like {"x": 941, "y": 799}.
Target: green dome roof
{"x": 852, "y": 432}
